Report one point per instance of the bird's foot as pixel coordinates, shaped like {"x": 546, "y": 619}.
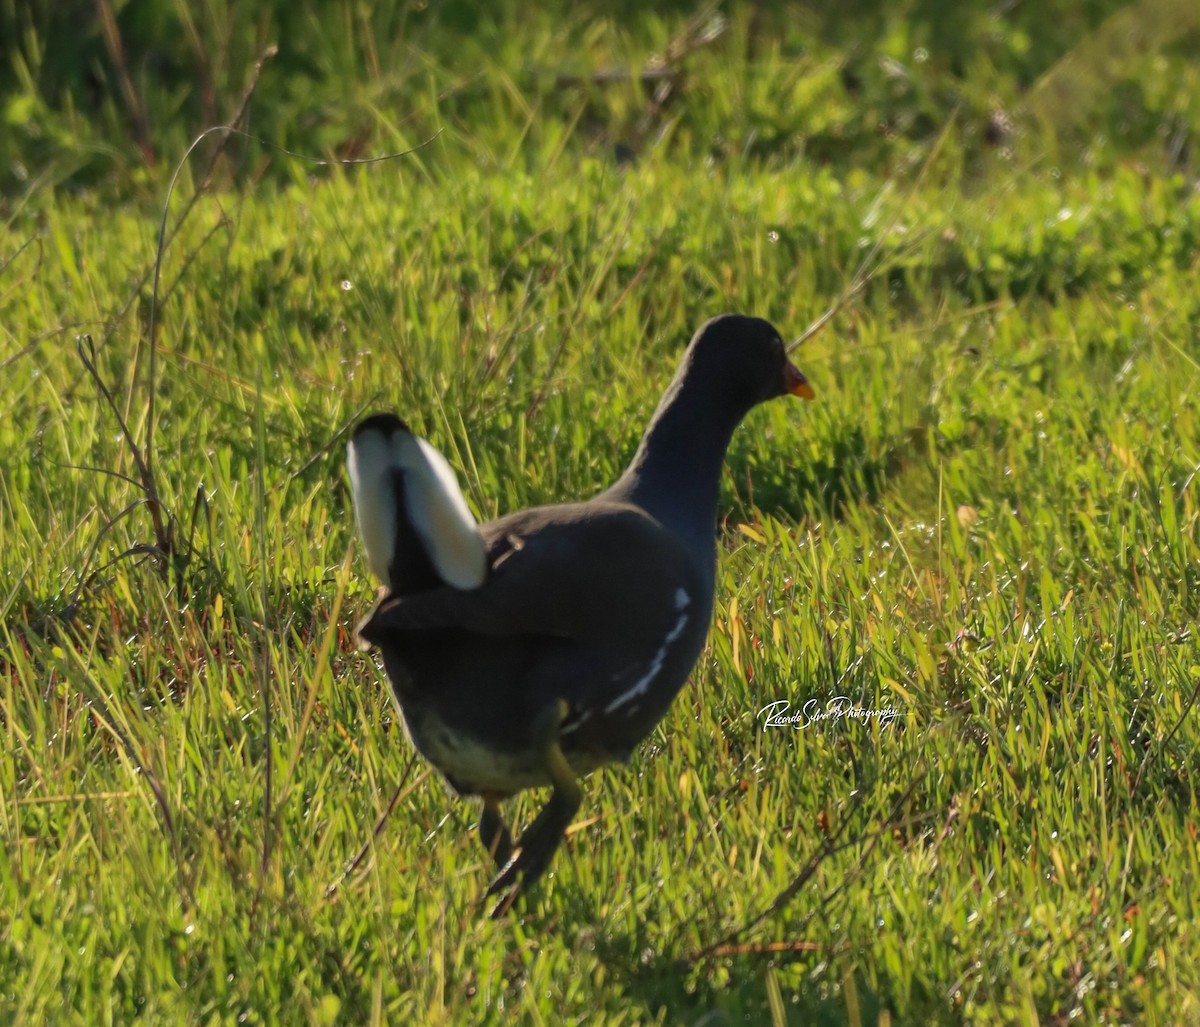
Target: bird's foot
{"x": 533, "y": 853}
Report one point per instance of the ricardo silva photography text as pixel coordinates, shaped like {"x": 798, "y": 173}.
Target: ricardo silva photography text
{"x": 781, "y": 713}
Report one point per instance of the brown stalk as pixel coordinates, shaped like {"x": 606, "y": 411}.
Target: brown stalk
{"x": 733, "y": 940}
{"x": 116, "y": 50}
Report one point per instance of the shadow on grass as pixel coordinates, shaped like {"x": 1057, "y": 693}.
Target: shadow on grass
{"x": 728, "y": 990}
{"x": 850, "y": 471}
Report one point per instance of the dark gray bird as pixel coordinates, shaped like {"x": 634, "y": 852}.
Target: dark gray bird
{"x": 532, "y": 649}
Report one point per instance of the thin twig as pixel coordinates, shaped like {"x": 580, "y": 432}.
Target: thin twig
{"x": 324, "y": 450}
{"x": 760, "y": 948}
{"x": 807, "y": 872}
{"x": 163, "y": 534}
{"x": 401, "y": 791}
{"x": 704, "y": 27}
{"x": 605, "y": 76}
{"x": 866, "y": 273}
{"x": 585, "y": 296}
{"x": 784, "y": 897}
{"x": 98, "y": 470}
{"x": 137, "y": 549}
{"x": 190, "y": 259}
{"x": 165, "y": 547}
{"x": 264, "y": 660}
{"x": 98, "y": 706}
{"x": 1137, "y": 781}
{"x": 637, "y": 276}
{"x": 116, "y": 50}
{"x": 22, "y": 280}
{"x": 87, "y": 355}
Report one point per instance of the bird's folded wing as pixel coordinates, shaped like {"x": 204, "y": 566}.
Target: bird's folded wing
{"x": 588, "y": 572}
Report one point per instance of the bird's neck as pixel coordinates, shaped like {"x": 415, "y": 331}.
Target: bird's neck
{"x": 675, "y": 475}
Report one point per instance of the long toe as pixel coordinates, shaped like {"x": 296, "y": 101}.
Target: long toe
{"x": 533, "y": 854}
{"x": 505, "y": 903}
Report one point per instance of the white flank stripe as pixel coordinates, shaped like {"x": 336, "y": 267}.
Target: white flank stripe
{"x": 643, "y": 682}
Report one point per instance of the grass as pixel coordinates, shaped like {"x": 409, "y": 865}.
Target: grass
{"x": 990, "y": 520}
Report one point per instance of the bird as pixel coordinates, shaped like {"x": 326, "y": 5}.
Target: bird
{"x": 532, "y": 649}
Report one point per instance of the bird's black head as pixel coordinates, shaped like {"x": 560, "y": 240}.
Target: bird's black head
{"x": 743, "y": 361}
{"x": 386, "y": 424}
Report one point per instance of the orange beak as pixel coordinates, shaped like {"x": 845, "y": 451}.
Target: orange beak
{"x": 797, "y": 384}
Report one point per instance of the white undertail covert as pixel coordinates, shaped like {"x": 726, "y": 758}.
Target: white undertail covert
{"x": 434, "y": 507}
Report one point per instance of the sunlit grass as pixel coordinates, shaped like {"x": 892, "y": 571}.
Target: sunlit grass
{"x": 990, "y": 520}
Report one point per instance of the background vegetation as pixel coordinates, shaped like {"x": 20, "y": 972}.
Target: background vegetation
{"x": 990, "y": 520}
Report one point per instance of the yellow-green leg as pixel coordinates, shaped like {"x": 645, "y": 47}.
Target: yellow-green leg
{"x": 541, "y": 839}
{"x": 493, "y": 831}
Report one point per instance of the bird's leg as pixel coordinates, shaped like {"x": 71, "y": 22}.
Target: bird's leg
{"x": 540, "y": 840}
{"x": 493, "y": 831}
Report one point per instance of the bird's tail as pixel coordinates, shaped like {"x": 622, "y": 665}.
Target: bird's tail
{"x": 412, "y": 517}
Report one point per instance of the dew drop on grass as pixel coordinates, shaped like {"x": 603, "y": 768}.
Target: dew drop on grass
{"x": 773, "y": 236}
{"x": 347, "y": 285}
{"x": 920, "y": 55}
